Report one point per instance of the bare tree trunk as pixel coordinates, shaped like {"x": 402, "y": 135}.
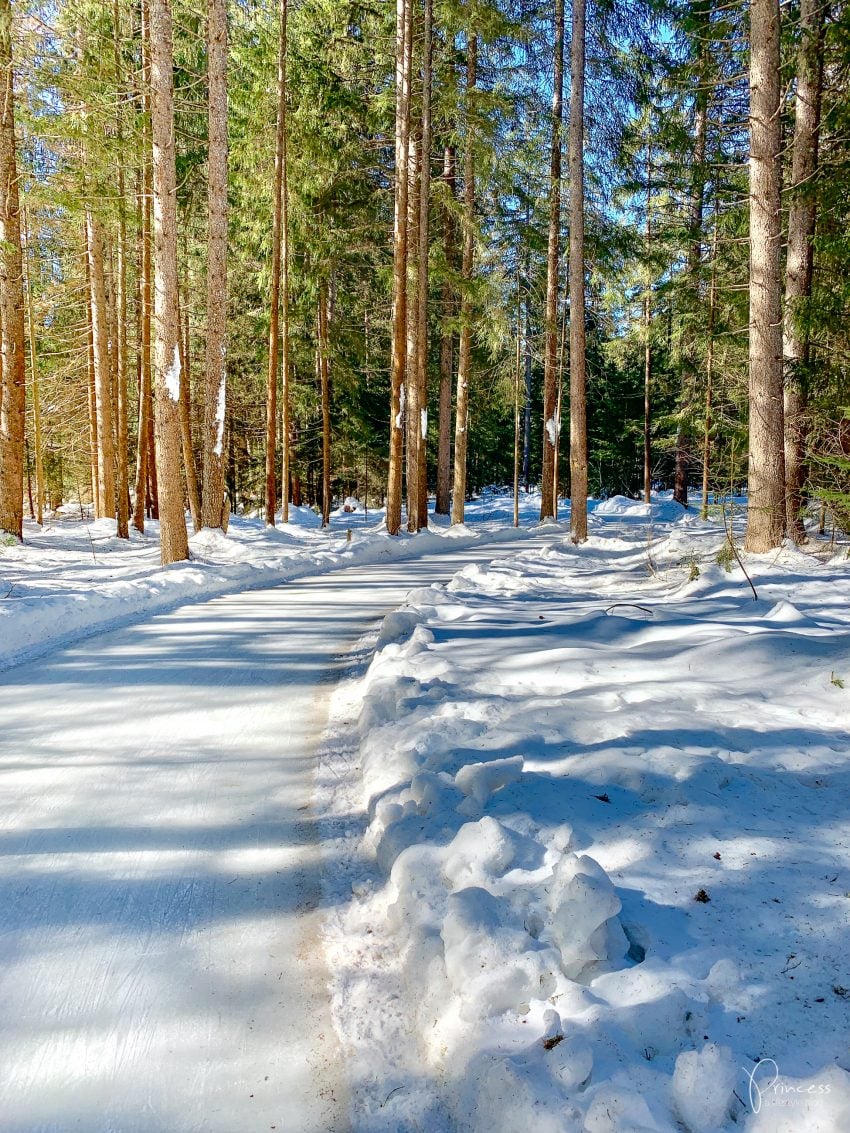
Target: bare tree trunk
{"x": 517, "y": 373}
{"x": 94, "y": 447}
{"x": 187, "y": 446}
{"x": 444, "y": 449}
{"x": 526, "y": 423}
{"x": 274, "y": 297}
{"x": 412, "y": 435}
{"x": 213, "y": 511}
{"x": 647, "y": 345}
{"x": 324, "y": 381}
{"x": 123, "y": 474}
{"x": 548, "y": 504}
{"x": 709, "y": 369}
{"x": 144, "y": 194}
{"x": 766, "y": 511}
{"x": 422, "y": 286}
{"x": 286, "y": 397}
{"x": 465, "y": 354}
{"x": 36, "y": 390}
{"x": 578, "y": 361}
{"x": 174, "y": 544}
{"x": 683, "y": 439}
{"x": 102, "y": 370}
{"x": 798, "y": 273}
{"x": 12, "y": 337}
{"x": 404, "y": 37}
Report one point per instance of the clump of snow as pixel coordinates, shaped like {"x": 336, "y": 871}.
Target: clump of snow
{"x": 480, "y": 780}
{"x": 703, "y": 1085}
{"x": 172, "y": 376}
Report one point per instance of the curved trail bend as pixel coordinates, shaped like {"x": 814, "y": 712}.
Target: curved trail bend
{"x": 160, "y": 970}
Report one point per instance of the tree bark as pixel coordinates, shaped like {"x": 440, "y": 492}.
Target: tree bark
{"x": 465, "y": 354}
{"x": 322, "y": 346}
{"x": 215, "y": 386}
{"x": 274, "y": 296}
{"x": 578, "y": 362}
{"x": 188, "y": 448}
{"x": 286, "y": 397}
{"x": 144, "y": 451}
{"x": 766, "y": 511}
{"x": 422, "y": 285}
{"x": 174, "y": 544}
{"x": 798, "y": 272}
{"x": 122, "y": 470}
{"x": 647, "y": 345}
{"x": 102, "y": 370}
{"x": 412, "y": 434}
{"x": 398, "y": 373}
{"x": 12, "y": 337}
{"x": 444, "y": 446}
{"x": 36, "y": 389}
{"x": 548, "y": 501}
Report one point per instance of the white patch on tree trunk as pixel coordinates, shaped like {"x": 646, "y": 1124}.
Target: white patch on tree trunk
{"x": 219, "y": 416}
{"x": 423, "y": 423}
{"x": 399, "y": 421}
{"x": 172, "y": 376}
{"x": 553, "y": 429}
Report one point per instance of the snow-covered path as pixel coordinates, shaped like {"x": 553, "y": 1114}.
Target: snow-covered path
{"x": 160, "y": 969}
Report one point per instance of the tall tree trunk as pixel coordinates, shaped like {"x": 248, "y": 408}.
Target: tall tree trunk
{"x": 766, "y": 511}
{"x": 325, "y": 386}
{"x": 422, "y": 286}
{"x": 12, "y": 337}
{"x": 412, "y": 436}
{"x": 798, "y": 273}
{"x": 102, "y": 370}
{"x": 174, "y": 544}
{"x": 283, "y": 188}
{"x": 144, "y": 453}
{"x": 465, "y": 354}
{"x": 548, "y": 501}
{"x": 444, "y": 446}
{"x": 213, "y": 512}
{"x": 647, "y": 327}
{"x": 578, "y": 360}
{"x": 94, "y": 447}
{"x": 35, "y": 385}
{"x": 274, "y": 296}
{"x": 186, "y": 443}
{"x": 702, "y": 11}
{"x": 526, "y": 422}
{"x": 709, "y": 369}
{"x": 398, "y": 373}
{"x": 123, "y": 474}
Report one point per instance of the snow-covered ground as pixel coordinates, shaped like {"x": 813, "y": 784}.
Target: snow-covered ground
{"x": 583, "y": 817}
{"x": 587, "y": 809}
{"x": 72, "y": 578}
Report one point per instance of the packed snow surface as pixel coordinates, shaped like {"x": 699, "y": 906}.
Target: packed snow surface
{"x": 601, "y": 882}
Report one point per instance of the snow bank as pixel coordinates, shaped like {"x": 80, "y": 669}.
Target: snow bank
{"x": 595, "y": 845}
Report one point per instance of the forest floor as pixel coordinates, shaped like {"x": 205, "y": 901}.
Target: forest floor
{"x": 564, "y": 830}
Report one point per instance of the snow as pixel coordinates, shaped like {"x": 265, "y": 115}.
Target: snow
{"x": 602, "y": 855}
{"x": 72, "y": 577}
{"x": 172, "y": 376}
{"x": 576, "y": 856}
{"x": 221, "y": 406}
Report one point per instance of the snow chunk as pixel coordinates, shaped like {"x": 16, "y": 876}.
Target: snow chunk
{"x": 492, "y": 965}
{"x": 581, "y": 901}
{"x": 172, "y": 376}
{"x": 480, "y": 780}
{"x": 478, "y": 851}
{"x": 703, "y": 1082}
{"x": 553, "y": 428}
{"x": 219, "y": 415}
{"x": 423, "y": 424}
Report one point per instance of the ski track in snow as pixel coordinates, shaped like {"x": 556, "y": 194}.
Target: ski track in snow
{"x": 161, "y": 969}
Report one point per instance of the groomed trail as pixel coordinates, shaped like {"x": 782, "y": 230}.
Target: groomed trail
{"x": 160, "y": 870}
